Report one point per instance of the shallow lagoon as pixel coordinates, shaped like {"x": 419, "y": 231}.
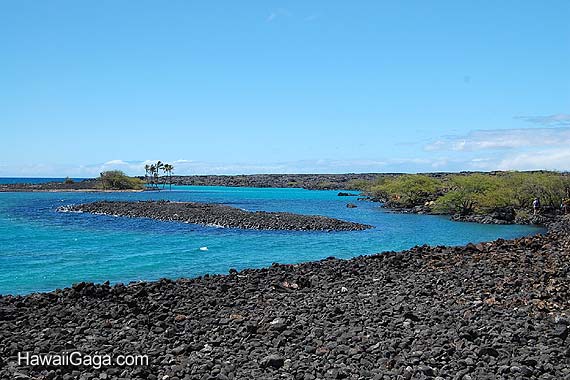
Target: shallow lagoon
{"x": 42, "y": 249}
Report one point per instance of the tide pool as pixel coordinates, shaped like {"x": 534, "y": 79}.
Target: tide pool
{"x": 42, "y": 249}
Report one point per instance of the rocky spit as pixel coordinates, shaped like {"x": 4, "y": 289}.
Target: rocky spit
{"x": 496, "y": 310}
{"x": 217, "y": 215}
{"x": 506, "y": 215}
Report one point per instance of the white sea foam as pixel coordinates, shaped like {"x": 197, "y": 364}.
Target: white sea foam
{"x": 214, "y": 225}
{"x": 68, "y": 208}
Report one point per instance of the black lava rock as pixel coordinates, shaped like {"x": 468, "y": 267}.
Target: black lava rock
{"x": 216, "y": 215}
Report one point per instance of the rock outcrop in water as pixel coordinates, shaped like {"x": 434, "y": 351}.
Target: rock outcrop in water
{"x": 497, "y": 310}
{"x": 210, "y": 214}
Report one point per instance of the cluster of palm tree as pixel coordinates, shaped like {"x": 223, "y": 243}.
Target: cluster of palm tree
{"x": 152, "y": 175}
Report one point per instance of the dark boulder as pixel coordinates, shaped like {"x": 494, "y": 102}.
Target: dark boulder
{"x": 275, "y": 361}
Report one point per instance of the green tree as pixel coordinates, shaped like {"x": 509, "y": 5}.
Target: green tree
{"x": 146, "y": 173}
{"x": 549, "y": 187}
{"x": 466, "y": 193}
{"x": 407, "y": 190}
{"x": 158, "y": 166}
{"x": 167, "y": 168}
{"x": 117, "y": 180}
{"x": 152, "y": 172}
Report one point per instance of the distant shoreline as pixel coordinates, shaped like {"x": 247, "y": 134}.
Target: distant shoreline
{"x": 306, "y": 181}
{"x": 22, "y": 190}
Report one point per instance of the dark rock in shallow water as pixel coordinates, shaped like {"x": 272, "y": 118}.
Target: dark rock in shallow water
{"x": 483, "y": 219}
{"x": 216, "y": 215}
{"x": 505, "y": 215}
{"x": 343, "y": 194}
{"x": 499, "y": 312}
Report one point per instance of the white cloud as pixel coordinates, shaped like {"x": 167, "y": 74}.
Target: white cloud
{"x": 496, "y": 139}
{"x": 190, "y": 167}
{"x": 560, "y": 119}
{"x": 115, "y": 162}
{"x": 553, "y": 159}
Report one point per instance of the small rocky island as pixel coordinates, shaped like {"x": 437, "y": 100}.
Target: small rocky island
{"x": 216, "y": 215}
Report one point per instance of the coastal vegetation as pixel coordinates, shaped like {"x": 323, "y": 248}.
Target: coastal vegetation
{"x": 117, "y": 180}
{"x": 470, "y": 193}
{"x": 405, "y": 191}
{"x": 152, "y": 174}
{"x": 168, "y": 168}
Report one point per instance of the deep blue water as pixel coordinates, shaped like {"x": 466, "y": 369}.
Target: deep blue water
{"x": 34, "y": 180}
{"x": 42, "y": 249}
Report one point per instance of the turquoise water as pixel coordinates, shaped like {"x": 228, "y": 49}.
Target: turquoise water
{"x": 42, "y": 249}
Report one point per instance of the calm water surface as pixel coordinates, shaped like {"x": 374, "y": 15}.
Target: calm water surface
{"x": 34, "y": 180}
{"x": 42, "y": 249}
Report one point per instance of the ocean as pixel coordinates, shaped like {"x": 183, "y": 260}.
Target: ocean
{"x": 42, "y": 249}
{"x": 34, "y": 180}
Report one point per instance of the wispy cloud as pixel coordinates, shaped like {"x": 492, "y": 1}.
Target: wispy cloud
{"x": 498, "y": 139}
{"x": 560, "y": 119}
{"x": 311, "y": 18}
{"x": 188, "y": 167}
{"x": 277, "y": 13}
{"x": 545, "y": 159}
{"x": 552, "y": 159}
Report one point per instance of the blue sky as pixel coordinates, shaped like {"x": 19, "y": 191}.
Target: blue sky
{"x": 283, "y": 86}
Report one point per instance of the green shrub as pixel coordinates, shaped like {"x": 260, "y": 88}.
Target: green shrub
{"x": 358, "y": 184}
{"x": 470, "y": 193}
{"x": 549, "y": 187}
{"x": 68, "y": 181}
{"x": 325, "y": 185}
{"x": 483, "y": 193}
{"x": 407, "y": 190}
{"x": 117, "y": 180}
{"x": 522, "y": 216}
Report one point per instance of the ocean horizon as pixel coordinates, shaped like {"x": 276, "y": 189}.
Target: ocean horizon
{"x": 34, "y": 180}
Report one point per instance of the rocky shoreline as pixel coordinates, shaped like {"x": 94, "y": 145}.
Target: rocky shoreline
{"x": 84, "y": 185}
{"x": 216, "y": 215}
{"x": 306, "y": 181}
{"x": 496, "y": 217}
{"x": 496, "y": 310}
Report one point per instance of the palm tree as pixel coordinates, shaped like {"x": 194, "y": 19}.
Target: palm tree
{"x": 167, "y": 168}
{"x": 159, "y": 166}
{"x": 152, "y": 171}
{"x": 146, "y": 171}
